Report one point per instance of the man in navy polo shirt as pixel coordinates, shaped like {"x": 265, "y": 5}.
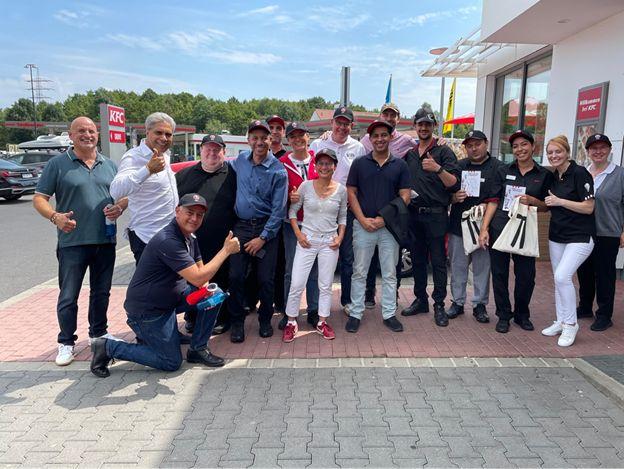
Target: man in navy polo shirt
{"x": 156, "y": 293}
{"x": 374, "y": 181}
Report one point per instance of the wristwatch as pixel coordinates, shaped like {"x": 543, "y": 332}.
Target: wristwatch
{"x": 439, "y": 171}
{"x": 263, "y": 238}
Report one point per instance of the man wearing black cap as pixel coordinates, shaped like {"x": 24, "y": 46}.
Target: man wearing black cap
{"x": 433, "y": 169}
{"x": 156, "y": 293}
{"x": 277, "y": 126}
{"x": 261, "y": 208}
{"x": 478, "y": 166}
{"x": 215, "y": 181}
{"x": 347, "y": 149}
{"x": 374, "y": 181}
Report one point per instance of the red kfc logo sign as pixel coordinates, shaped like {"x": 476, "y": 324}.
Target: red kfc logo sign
{"x": 117, "y": 136}
{"x": 116, "y": 116}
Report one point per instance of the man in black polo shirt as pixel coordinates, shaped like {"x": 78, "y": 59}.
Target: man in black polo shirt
{"x": 215, "y": 181}
{"x": 480, "y": 166}
{"x": 374, "y": 181}
{"x": 433, "y": 169}
{"x": 156, "y": 292}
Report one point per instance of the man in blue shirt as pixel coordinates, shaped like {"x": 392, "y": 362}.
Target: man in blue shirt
{"x": 261, "y": 183}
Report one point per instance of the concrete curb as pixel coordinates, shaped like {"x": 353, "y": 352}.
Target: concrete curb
{"x": 600, "y": 380}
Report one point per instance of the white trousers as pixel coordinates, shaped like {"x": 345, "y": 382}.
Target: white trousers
{"x": 302, "y": 265}
{"x": 566, "y": 258}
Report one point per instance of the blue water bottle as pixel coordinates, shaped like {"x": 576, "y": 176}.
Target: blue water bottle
{"x": 110, "y": 229}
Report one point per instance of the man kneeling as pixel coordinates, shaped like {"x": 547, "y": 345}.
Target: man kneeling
{"x": 156, "y": 294}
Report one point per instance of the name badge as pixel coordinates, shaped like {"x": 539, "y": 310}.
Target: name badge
{"x": 511, "y": 177}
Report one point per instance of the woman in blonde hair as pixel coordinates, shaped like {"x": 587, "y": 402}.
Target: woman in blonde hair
{"x": 571, "y": 233}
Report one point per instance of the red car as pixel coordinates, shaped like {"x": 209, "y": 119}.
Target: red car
{"x": 177, "y": 167}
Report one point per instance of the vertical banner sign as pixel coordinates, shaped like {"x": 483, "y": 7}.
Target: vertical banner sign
{"x": 591, "y": 108}
{"x": 113, "y": 131}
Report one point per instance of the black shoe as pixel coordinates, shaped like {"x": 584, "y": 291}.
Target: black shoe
{"x": 205, "y": 357}
{"x": 601, "y": 324}
{"x": 584, "y": 313}
{"x": 221, "y": 328}
{"x": 189, "y": 327}
{"x": 99, "y": 358}
{"x": 184, "y": 339}
{"x": 393, "y": 324}
{"x": 353, "y": 324}
{"x": 502, "y": 326}
{"x": 237, "y": 334}
{"x": 455, "y": 310}
{"x": 480, "y": 314}
{"x": 313, "y": 317}
{"x": 524, "y": 323}
{"x": 417, "y": 306}
{"x": 439, "y": 315}
{"x": 369, "y": 300}
{"x": 266, "y": 330}
{"x": 282, "y": 323}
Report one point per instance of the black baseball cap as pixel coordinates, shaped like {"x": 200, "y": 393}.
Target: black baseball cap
{"x": 345, "y": 112}
{"x": 424, "y": 115}
{"x": 188, "y": 200}
{"x": 327, "y": 152}
{"x": 296, "y": 126}
{"x": 474, "y": 135}
{"x": 277, "y": 118}
{"x": 213, "y": 138}
{"x": 379, "y": 123}
{"x": 521, "y": 133}
{"x": 258, "y": 124}
{"x": 597, "y": 138}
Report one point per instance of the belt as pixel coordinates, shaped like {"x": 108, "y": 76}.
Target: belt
{"x": 254, "y": 221}
{"x": 431, "y": 209}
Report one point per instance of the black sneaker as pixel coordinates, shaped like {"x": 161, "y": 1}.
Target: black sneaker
{"x": 369, "y": 300}
{"x": 524, "y": 323}
{"x": 353, "y": 324}
{"x": 439, "y": 315}
{"x": 418, "y": 306}
{"x": 266, "y": 330}
{"x": 601, "y": 324}
{"x": 455, "y": 310}
{"x": 480, "y": 314}
{"x": 502, "y": 326}
{"x": 313, "y": 317}
{"x": 584, "y": 313}
{"x": 99, "y": 358}
{"x": 393, "y": 324}
{"x": 282, "y": 324}
{"x": 205, "y": 357}
{"x": 237, "y": 334}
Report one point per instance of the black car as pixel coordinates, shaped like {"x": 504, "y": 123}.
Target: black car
{"x": 16, "y": 180}
{"x": 34, "y": 159}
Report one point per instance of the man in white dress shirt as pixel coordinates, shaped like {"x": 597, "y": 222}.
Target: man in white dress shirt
{"x": 146, "y": 178}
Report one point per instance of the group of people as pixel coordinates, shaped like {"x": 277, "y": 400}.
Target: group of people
{"x": 272, "y": 223}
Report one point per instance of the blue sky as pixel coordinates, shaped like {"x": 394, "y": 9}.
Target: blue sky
{"x": 252, "y": 49}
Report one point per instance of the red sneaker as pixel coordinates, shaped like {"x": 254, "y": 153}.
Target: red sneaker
{"x": 326, "y": 331}
{"x": 290, "y": 331}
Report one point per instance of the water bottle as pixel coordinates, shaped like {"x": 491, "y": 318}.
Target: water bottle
{"x": 212, "y": 301}
{"x": 110, "y": 229}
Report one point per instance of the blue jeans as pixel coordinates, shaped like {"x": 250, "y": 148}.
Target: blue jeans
{"x": 161, "y": 340}
{"x": 364, "y": 243}
{"x": 73, "y": 262}
{"x": 312, "y": 291}
{"x": 346, "y": 261}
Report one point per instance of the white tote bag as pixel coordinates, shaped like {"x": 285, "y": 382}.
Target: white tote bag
{"x": 520, "y": 234}
{"x": 471, "y": 225}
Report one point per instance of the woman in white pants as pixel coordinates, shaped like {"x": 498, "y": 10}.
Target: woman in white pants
{"x": 324, "y": 204}
{"x": 570, "y": 237}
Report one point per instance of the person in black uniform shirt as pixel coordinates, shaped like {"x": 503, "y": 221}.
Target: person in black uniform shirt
{"x": 215, "y": 181}
{"x": 528, "y": 180}
{"x": 571, "y": 233}
{"x": 482, "y": 165}
{"x": 433, "y": 171}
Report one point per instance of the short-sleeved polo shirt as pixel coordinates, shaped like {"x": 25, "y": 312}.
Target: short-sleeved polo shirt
{"x": 83, "y": 190}
{"x": 575, "y": 184}
{"x": 156, "y": 287}
{"x": 377, "y": 185}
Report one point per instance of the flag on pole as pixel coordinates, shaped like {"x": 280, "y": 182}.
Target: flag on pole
{"x": 450, "y": 111}
{"x": 389, "y": 91}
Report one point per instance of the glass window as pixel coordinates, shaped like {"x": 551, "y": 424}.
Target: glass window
{"x": 509, "y": 88}
{"x": 536, "y": 101}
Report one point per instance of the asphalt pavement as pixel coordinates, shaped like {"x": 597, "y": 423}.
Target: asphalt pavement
{"x": 27, "y": 249}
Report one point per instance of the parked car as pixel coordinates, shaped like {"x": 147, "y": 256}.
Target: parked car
{"x": 16, "y": 180}
{"x": 176, "y": 167}
{"x": 34, "y": 159}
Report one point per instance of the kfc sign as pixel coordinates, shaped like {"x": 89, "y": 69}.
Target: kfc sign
{"x": 116, "y": 116}
{"x": 117, "y": 136}
{"x": 590, "y": 102}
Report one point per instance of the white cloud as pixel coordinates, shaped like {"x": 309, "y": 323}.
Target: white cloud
{"x": 282, "y": 19}
{"x": 190, "y": 43}
{"x": 261, "y": 11}
{"x": 79, "y": 18}
{"x": 336, "y": 19}
{"x": 136, "y": 42}
{"x": 426, "y": 18}
{"x": 242, "y": 57}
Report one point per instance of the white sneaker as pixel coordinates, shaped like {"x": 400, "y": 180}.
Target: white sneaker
{"x": 568, "y": 335}
{"x": 105, "y": 336}
{"x": 65, "y": 355}
{"x": 553, "y": 330}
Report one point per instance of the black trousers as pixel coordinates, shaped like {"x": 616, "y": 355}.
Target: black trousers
{"x": 136, "y": 246}
{"x": 524, "y": 271}
{"x": 427, "y": 231}
{"x": 264, "y": 269}
{"x": 596, "y": 277}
